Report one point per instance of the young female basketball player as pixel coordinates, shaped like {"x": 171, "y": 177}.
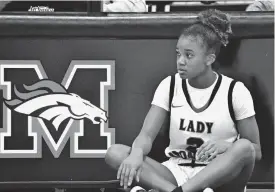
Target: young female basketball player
{"x": 207, "y": 149}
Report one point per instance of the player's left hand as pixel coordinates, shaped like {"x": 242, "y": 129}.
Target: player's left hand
{"x": 210, "y": 149}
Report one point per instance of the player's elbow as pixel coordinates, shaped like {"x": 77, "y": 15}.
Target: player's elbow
{"x": 258, "y": 152}
{"x": 259, "y": 157}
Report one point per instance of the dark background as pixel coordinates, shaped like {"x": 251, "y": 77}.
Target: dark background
{"x": 140, "y": 64}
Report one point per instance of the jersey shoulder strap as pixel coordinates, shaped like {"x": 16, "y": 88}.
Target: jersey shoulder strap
{"x": 230, "y": 100}
{"x": 171, "y": 91}
{"x": 165, "y": 127}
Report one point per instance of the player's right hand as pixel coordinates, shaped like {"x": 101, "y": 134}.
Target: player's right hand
{"x": 130, "y": 168}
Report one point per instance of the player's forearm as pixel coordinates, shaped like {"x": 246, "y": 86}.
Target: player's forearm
{"x": 142, "y": 145}
{"x": 151, "y": 126}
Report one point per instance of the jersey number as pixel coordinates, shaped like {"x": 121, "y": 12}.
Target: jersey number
{"x": 194, "y": 143}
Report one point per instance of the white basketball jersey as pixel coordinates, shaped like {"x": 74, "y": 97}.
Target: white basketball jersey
{"x": 191, "y": 127}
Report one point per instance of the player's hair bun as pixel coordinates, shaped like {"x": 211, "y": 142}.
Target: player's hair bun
{"x": 217, "y": 21}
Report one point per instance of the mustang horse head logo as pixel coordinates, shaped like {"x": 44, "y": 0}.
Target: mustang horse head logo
{"x": 49, "y": 100}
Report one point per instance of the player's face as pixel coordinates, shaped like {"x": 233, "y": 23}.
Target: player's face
{"x": 191, "y": 57}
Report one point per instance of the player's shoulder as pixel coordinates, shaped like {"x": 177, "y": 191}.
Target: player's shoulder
{"x": 167, "y": 79}
{"x": 239, "y": 86}
{"x": 165, "y": 83}
{"x": 226, "y": 78}
{"x": 230, "y": 80}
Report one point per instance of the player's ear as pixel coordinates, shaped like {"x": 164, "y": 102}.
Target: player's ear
{"x": 210, "y": 59}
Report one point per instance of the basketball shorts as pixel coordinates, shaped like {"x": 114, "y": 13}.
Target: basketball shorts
{"x": 182, "y": 173}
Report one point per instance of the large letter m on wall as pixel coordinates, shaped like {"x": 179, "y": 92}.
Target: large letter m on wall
{"x": 69, "y": 106}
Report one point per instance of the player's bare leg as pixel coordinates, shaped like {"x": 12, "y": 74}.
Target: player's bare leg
{"x": 153, "y": 176}
{"x": 228, "y": 172}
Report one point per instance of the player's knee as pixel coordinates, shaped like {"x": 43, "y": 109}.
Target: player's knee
{"x": 116, "y": 154}
{"x": 244, "y": 148}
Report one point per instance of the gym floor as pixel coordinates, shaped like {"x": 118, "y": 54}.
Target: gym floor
{"x": 260, "y": 190}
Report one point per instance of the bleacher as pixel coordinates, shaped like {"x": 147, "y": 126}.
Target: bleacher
{"x": 189, "y": 5}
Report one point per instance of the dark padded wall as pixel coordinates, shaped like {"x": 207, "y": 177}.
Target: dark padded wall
{"x": 138, "y": 71}
{"x": 140, "y": 66}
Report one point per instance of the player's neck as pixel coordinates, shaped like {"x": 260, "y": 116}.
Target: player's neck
{"x": 204, "y": 80}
